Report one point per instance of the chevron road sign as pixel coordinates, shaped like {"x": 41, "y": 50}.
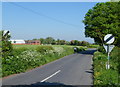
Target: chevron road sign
{"x": 6, "y": 32}
{"x": 109, "y": 39}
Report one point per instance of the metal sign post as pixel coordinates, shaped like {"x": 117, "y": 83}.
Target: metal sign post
{"x": 108, "y": 39}
{"x": 108, "y": 64}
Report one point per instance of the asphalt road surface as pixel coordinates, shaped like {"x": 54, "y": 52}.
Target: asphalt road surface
{"x": 75, "y": 69}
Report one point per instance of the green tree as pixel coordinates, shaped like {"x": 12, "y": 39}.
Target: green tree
{"x": 58, "y": 42}
{"x": 102, "y": 19}
{"x": 6, "y": 45}
{"x": 53, "y": 42}
{"x": 114, "y": 0}
{"x": 67, "y": 43}
{"x": 35, "y": 39}
{"x": 72, "y": 42}
{"x": 84, "y": 43}
{"x": 49, "y": 40}
{"x": 75, "y": 42}
{"x": 0, "y": 39}
{"x": 42, "y": 40}
{"x": 62, "y": 42}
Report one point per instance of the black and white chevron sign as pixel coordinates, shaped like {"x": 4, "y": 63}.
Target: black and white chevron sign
{"x": 109, "y": 39}
{"x": 6, "y": 32}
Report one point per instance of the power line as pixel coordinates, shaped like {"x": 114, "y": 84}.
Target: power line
{"x": 43, "y": 15}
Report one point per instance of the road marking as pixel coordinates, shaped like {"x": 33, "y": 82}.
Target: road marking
{"x": 50, "y": 76}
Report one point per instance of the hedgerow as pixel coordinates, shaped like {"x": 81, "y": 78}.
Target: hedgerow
{"x": 23, "y": 59}
{"x": 103, "y": 76}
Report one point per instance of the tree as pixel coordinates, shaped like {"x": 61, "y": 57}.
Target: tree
{"x": 0, "y": 38}
{"x": 67, "y": 43}
{"x": 49, "y": 40}
{"x": 62, "y": 42}
{"x": 42, "y": 40}
{"x": 114, "y": 0}
{"x": 84, "y": 43}
{"x": 58, "y": 42}
{"x": 6, "y": 44}
{"x": 75, "y": 42}
{"x": 53, "y": 42}
{"x": 35, "y": 39}
{"x": 102, "y": 19}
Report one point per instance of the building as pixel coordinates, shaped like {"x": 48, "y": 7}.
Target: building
{"x": 27, "y": 42}
{"x": 32, "y": 42}
{"x": 17, "y": 42}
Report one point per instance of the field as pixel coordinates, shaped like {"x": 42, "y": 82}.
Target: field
{"x": 26, "y": 57}
{"x": 35, "y": 46}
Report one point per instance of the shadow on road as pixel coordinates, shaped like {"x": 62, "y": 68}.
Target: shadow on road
{"x": 89, "y": 51}
{"x": 55, "y": 84}
{"x": 47, "y": 84}
{"x": 91, "y": 72}
{"x": 44, "y": 84}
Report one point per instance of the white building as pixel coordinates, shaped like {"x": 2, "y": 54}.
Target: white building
{"x": 17, "y": 41}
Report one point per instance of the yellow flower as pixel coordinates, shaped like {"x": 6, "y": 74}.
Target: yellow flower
{"x": 97, "y": 74}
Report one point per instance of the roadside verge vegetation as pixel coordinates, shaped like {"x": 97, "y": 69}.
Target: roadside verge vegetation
{"x": 103, "y": 76}
{"x": 24, "y": 58}
{"x": 100, "y": 20}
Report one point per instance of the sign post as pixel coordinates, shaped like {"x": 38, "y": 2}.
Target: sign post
{"x": 109, "y": 39}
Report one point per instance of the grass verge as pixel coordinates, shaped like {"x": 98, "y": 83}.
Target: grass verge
{"x": 106, "y": 77}
{"x": 25, "y": 57}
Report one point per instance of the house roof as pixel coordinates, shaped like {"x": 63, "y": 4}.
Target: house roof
{"x": 17, "y": 41}
{"x": 32, "y": 40}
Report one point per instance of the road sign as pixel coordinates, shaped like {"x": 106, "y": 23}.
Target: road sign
{"x": 111, "y": 47}
{"x": 108, "y": 48}
{"x": 105, "y": 46}
{"x": 6, "y": 32}
{"x": 109, "y": 39}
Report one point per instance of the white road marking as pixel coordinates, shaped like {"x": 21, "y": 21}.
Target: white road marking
{"x": 50, "y": 76}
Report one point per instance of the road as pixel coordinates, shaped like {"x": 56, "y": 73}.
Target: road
{"x": 75, "y": 69}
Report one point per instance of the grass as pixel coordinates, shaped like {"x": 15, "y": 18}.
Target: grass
{"x": 25, "y": 57}
{"x": 26, "y": 46}
{"x": 93, "y": 46}
{"x": 103, "y": 76}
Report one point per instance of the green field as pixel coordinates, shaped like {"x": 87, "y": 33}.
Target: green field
{"x": 26, "y": 46}
{"x": 35, "y": 46}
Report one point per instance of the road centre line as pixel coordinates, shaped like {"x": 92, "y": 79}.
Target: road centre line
{"x": 50, "y": 76}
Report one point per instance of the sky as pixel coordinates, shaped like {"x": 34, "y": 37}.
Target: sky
{"x": 60, "y": 20}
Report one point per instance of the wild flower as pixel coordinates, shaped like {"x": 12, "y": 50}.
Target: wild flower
{"x": 59, "y": 50}
{"x": 30, "y": 55}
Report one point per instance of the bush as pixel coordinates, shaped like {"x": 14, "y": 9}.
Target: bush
{"x": 6, "y": 44}
{"x": 103, "y": 76}
{"x": 18, "y": 51}
{"x": 93, "y": 46}
{"x": 24, "y": 59}
{"x": 101, "y": 49}
{"x": 79, "y": 49}
{"x": 43, "y": 49}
